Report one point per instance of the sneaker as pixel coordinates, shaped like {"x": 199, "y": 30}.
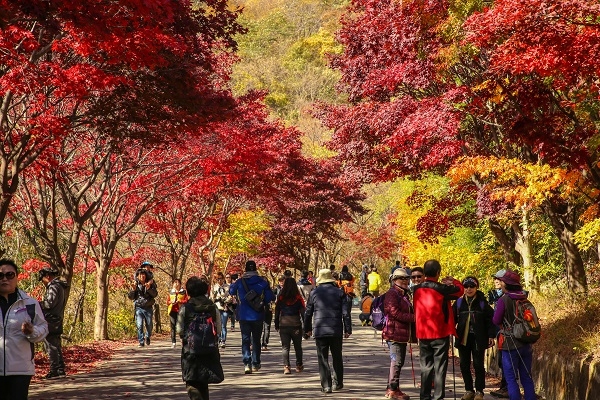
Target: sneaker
{"x": 326, "y": 390}
{"x": 478, "y": 396}
{"x": 255, "y": 368}
{"x": 286, "y": 370}
{"x": 141, "y": 345}
{"x": 500, "y": 393}
{"x": 247, "y": 369}
{"x": 396, "y": 395}
{"x": 147, "y": 341}
{"x": 52, "y": 375}
{"x": 264, "y": 347}
{"x": 222, "y": 345}
{"x": 338, "y": 387}
{"x": 299, "y": 368}
{"x": 173, "y": 345}
{"x": 62, "y": 374}
{"x": 469, "y": 395}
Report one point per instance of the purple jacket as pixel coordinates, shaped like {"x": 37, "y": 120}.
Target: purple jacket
{"x": 501, "y": 312}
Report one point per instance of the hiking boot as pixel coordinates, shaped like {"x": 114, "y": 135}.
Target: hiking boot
{"x": 247, "y": 369}
{"x": 396, "y": 395}
{"x": 264, "y": 347}
{"x": 222, "y": 345}
{"x": 338, "y": 386}
{"x": 478, "y": 396}
{"x": 326, "y": 390}
{"x": 500, "y": 393}
{"x": 286, "y": 370}
{"x": 147, "y": 341}
{"x": 141, "y": 345}
{"x": 469, "y": 395}
{"x": 62, "y": 374}
{"x": 299, "y": 368}
{"x": 255, "y": 368}
{"x": 52, "y": 375}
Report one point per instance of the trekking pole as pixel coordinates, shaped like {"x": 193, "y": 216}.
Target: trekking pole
{"x": 412, "y": 363}
{"x": 453, "y": 374}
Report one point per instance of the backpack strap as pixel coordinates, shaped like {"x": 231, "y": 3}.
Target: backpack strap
{"x": 31, "y": 311}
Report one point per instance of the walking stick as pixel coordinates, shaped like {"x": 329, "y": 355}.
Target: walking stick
{"x": 453, "y": 374}
{"x": 412, "y": 364}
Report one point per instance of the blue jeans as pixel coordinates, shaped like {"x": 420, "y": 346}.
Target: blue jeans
{"x": 516, "y": 365}
{"x": 224, "y": 317}
{"x": 251, "y": 331}
{"x": 143, "y": 316}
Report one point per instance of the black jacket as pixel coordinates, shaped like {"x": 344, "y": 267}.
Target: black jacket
{"x": 325, "y": 307}
{"x": 481, "y": 320}
{"x": 142, "y": 296}
{"x": 53, "y": 305}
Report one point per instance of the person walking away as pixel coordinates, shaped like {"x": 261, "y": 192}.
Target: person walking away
{"x": 363, "y": 281}
{"x": 251, "y": 315}
{"x": 326, "y": 319}
{"x": 516, "y": 356}
{"x": 435, "y": 324}
{"x": 266, "y": 332}
{"x": 53, "y": 307}
{"x": 399, "y": 330}
{"x": 198, "y": 371}
{"x": 374, "y": 281}
{"x": 346, "y": 282}
{"x": 289, "y": 311}
{"x": 305, "y": 286}
{"x": 475, "y": 333}
{"x": 177, "y": 296}
{"x": 221, "y": 297}
{"x": 143, "y": 292}
{"x": 230, "y": 278}
{"x": 22, "y": 324}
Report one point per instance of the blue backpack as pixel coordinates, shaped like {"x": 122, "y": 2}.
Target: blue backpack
{"x": 378, "y": 318}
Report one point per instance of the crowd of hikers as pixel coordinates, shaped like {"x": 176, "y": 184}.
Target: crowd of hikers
{"x": 441, "y": 314}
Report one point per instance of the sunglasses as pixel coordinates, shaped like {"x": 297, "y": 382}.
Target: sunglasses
{"x": 9, "y": 275}
{"x": 416, "y": 276}
{"x": 470, "y": 286}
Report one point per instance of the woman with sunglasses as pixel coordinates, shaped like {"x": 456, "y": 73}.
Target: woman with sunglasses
{"x": 22, "y": 324}
{"x": 476, "y": 333}
{"x": 399, "y": 329}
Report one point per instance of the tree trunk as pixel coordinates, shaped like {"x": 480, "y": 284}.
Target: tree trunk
{"x": 524, "y": 248}
{"x": 563, "y": 218}
{"x": 101, "y": 318}
{"x": 506, "y": 242}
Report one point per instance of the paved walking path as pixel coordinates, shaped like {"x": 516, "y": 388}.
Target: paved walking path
{"x": 154, "y": 373}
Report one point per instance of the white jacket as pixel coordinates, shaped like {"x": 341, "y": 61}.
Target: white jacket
{"x": 16, "y": 349}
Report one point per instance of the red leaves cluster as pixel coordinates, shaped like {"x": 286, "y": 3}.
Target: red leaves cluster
{"x": 78, "y": 358}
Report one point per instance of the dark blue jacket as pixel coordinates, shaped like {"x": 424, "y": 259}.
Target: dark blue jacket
{"x": 260, "y": 286}
{"x": 325, "y": 307}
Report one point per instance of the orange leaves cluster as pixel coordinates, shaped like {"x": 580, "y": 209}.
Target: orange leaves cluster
{"x": 516, "y": 182}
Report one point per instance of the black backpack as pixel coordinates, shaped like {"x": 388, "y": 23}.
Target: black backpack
{"x": 201, "y": 335}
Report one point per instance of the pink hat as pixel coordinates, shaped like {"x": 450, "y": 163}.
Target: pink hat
{"x": 511, "y": 278}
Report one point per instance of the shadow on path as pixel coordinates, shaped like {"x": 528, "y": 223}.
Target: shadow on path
{"x": 154, "y": 373}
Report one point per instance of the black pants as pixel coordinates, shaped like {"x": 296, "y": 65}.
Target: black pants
{"x": 14, "y": 387}
{"x": 324, "y": 346}
{"x": 197, "y": 390}
{"x": 54, "y": 349}
{"x": 291, "y": 334}
{"x": 465, "y": 353}
{"x": 173, "y": 322}
{"x": 434, "y": 364}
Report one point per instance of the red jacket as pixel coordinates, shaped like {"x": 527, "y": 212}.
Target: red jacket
{"x": 433, "y": 308}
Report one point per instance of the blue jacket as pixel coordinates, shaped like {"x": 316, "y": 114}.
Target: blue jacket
{"x": 260, "y": 286}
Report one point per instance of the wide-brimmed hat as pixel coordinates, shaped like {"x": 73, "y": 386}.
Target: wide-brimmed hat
{"x": 325, "y": 276}
{"x": 399, "y": 273}
{"x": 499, "y": 274}
{"x": 511, "y": 278}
